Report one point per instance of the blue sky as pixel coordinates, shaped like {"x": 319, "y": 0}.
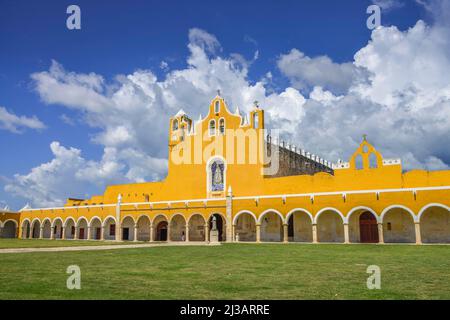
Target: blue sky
{"x": 155, "y": 38}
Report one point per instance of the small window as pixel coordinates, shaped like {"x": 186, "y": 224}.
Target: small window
{"x": 359, "y": 162}
{"x": 217, "y": 107}
{"x": 389, "y": 226}
{"x": 112, "y": 229}
{"x": 212, "y": 128}
{"x": 72, "y": 230}
{"x": 373, "y": 161}
{"x": 175, "y": 125}
{"x": 255, "y": 121}
{"x": 222, "y": 126}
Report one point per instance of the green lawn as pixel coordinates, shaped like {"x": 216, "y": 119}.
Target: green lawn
{"x": 46, "y": 243}
{"x": 232, "y": 271}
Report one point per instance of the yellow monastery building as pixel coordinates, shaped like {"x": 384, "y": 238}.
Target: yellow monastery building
{"x": 228, "y": 180}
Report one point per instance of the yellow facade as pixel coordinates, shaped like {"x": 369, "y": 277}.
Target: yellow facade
{"x": 218, "y": 165}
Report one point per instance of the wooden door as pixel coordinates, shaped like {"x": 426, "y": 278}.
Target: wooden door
{"x": 368, "y": 228}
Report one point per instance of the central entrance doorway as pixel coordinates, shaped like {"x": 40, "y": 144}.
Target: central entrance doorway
{"x": 220, "y": 225}
{"x": 368, "y": 228}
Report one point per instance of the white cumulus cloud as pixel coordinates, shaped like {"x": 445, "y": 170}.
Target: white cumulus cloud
{"x": 16, "y": 124}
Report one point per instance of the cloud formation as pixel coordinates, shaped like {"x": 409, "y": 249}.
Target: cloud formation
{"x": 16, "y": 124}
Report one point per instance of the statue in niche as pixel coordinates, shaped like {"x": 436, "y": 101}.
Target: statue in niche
{"x": 217, "y": 169}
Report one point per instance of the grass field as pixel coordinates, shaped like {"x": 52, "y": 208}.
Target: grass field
{"x": 231, "y": 271}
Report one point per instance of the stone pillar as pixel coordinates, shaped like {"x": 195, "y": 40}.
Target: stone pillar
{"x": 168, "y": 232}
{"x": 63, "y": 233}
{"x": 52, "y": 232}
{"x": 102, "y": 232}
{"x": 135, "y": 239}
{"x": 151, "y": 232}
{"x": 346, "y": 233}
{"x": 418, "y": 235}
{"x": 314, "y": 232}
{"x": 233, "y": 232}
{"x": 258, "y": 233}
{"x": 88, "y": 237}
{"x": 285, "y": 233}
{"x": 207, "y": 232}
{"x": 380, "y": 233}
{"x": 41, "y": 232}
{"x": 75, "y": 236}
{"x": 229, "y": 212}
{"x": 118, "y": 224}
{"x": 186, "y": 233}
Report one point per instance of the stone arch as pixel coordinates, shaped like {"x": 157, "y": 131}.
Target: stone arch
{"x": 196, "y": 227}
{"x": 398, "y": 224}
{"x": 69, "y": 228}
{"x": 82, "y": 228}
{"x": 109, "y": 228}
{"x": 408, "y": 210}
{"x": 57, "y": 228}
{"x": 47, "y": 228}
{"x": 363, "y": 225}
{"x": 26, "y": 229}
{"x": 330, "y": 225}
{"x": 245, "y": 226}
{"x": 244, "y": 212}
{"x": 9, "y": 229}
{"x": 177, "y": 227}
{"x": 299, "y": 223}
{"x": 127, "y": 226}
{"x": 221, "y": 223}
{"x": 431, "y": 205}
{"x": 271, "y": 222}
{"x": 95, "y": 228}
{"x": 161, "y": 227}
{"x": 435, "y": 223}
{"x": 35, "y": 228}
{"x": 143, "y": 231}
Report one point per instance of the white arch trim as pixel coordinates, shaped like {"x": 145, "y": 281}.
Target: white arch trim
{"x": 143, "y": 216}
{"x": 55, "y": 220}
{"x": 439, "y": 205}
{"x": 268, "y": 211}
{"x": 82, "y": 218}
{"x": 386, "y": 210}
{"x": 67, "y": 220}
{"x": 316, "y": 218}
{"x": 352, "y": 211}
{"x": 290, "y": 213}
{"x": 45, "y": 221}
{"x": 242, "y": 212}
{"x": 92, "y": 220}
{"x": 224, "y": 218}
{"x": 196, "y": 214}
{"x": 15, "y": 222}
{"x": 128, "y": 216}
{"x": 108, "y": 218}
{"x": 160, "y": 215}
{"x": 34, "y": 221}
{"x": 177, "y": 214}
